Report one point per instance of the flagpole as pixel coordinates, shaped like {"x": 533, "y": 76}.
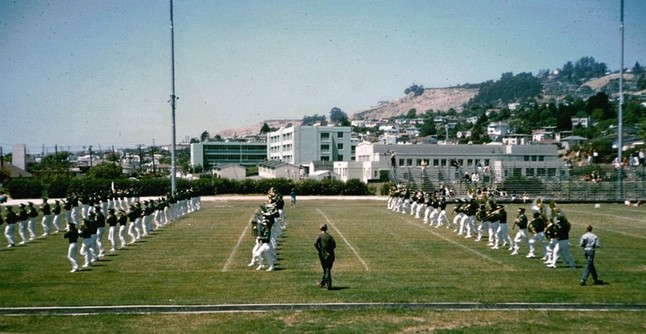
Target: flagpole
{"x": 173, "y": 98}
{"x": 620, "y": 113}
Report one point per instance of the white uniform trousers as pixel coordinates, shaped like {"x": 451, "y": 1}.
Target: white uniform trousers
{"x": 8, "y": 233}
{"x": 538, "y": 237}
{"x": 57, "y": 222}
{"x": 87, "y": 252}
{"x": 71, "y": 255}
{"x": 31, "y": 227}
{"x": 45, "y": 223}
{"x": 122, "y": 235}
{"x": 112, "y": 237}
{"x": 99, "y": 240}
{"x": 22, "y": 231}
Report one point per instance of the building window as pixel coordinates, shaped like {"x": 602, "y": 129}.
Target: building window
{"x": 325, "y": 158}
{"x": 339, "y": 146}
{"x": 541, "y": 158}
{"x": 443, "y": 162}
{"x": 325, "y": 135}
{"x": 517, "y": 172}
{"x": 529, "y": 172}
{"x": 526, "y": 158}
{"x": 339, "y": 134}
{"x": 325, "y": 147}
{"x": 340, "y": 158}
{"x": 409, "y": 162}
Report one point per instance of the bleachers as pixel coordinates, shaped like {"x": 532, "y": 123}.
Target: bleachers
{"x": 567, "y": 189}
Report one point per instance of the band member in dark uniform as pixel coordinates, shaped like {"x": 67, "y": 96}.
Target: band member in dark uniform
{"x": 325, "y": 246}
{"x": 72, "y": 235}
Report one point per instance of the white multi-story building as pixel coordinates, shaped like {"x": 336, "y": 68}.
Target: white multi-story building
{"x": 303, "y": 144}
{"x": 495, "y": 162}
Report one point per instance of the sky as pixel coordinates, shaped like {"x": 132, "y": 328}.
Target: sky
{"x": 75, "y": 73}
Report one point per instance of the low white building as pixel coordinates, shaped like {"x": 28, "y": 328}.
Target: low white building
{"x": 229, "y": 171}
{"x": 277, "y": 169}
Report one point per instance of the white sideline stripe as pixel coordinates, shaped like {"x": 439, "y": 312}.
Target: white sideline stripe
{"x": 611, "y": 230}
{"x": 255, "y": 308}
{"x": 345, "y": 240}
{"x": 235, "y": 249}
{"x": 460, "y": 245}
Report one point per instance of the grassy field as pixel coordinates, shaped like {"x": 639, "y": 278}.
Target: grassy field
{"x": 382, "y": 257}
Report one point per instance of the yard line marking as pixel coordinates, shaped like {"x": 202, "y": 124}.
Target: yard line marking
{"x": 253, "y": 308}
{"x": 345, "y": 240}
{"x": 460, "y": 245}
{"x": 608, "y": 229}
{"x": 235, "y": 249}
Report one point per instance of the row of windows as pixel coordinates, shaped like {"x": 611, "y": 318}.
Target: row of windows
{"x": 442, "y": 162}
{"x": 326, "y": 135}
{"x": 234, "y": 157}
{"x": 212, "y": 148}
{"x": 534, "y": 158}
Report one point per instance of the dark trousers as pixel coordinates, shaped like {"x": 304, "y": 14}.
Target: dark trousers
{"x": 326, "y": 279}
{"x": 589, "y": 266}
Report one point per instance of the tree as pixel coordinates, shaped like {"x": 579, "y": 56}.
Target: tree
{"x": 428, "y": 127}
{"x": 204, "y": 136}
{"x": 415, "y": 89}
{"x": 336, "y": 115}
{"x": 265, "y": 129}
{"x": 105, "y": 170}
{"x": 638, "y": 69}
{"x": 412, "y": 113}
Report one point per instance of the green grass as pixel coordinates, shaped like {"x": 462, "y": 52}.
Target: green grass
{"x": 382, "y": 256}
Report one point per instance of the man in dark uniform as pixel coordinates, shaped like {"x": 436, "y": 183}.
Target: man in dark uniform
{"x": 23, "y": 217}
{"x": 87, "y": 250}
{"x": 100, "y": 229}
{"x": 72, "y": 235}
{"x": 11, "y": 220}
{"x": 56, "y": 210}
{"x": 112, "y": 221}
{"x": 31, "y": 225}
{"x": 46, "y": 209}
{"x": 325, "y": 246}
{"x": 521, "y": 235}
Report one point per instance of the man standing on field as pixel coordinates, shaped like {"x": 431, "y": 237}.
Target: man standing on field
{"x": 589, "y": 242}
{"x": 325, "y": 246}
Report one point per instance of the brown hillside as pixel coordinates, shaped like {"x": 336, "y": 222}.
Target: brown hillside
{"x": 253, "y": 129}
{"x": 437, "y": 99}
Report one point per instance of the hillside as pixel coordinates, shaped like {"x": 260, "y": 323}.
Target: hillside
{"x": 253, "y": 129}
{"x": 433, "y": 98}
{"x": 439, "y": 99}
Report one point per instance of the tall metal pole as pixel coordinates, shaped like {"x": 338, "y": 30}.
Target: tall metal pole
{"x": 620, "y": 131}
{"x": 173, "y": 98}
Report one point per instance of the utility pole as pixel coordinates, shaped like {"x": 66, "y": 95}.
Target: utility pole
{"x": 152, "y": 155}
{"x": 90, "y": 149}
{"x": 141, "y": 160}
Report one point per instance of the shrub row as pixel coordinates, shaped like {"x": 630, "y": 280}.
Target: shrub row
{"x": 32, "y": 188}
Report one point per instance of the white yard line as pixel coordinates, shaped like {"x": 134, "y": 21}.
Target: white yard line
{"x": 235, "y": 249}
{"x": 345, "y": 240}
{"x": 611, "y": 230}
{"x": 458, "y": 244}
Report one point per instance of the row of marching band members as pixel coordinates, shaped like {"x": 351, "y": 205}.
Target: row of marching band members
{"x": 139, "y": 220}
{"x": 267, "y": 225}
{"x": 478, "y": 216}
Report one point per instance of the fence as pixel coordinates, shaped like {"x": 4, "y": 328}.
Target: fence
{"x": 568, "y": 188}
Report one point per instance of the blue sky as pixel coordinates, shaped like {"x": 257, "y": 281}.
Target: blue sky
{"x": 77, "y": 73}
